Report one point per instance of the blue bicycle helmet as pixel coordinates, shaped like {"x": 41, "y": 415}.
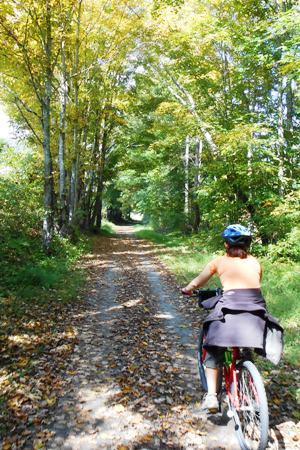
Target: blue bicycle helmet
{"x": 237, "y": 234}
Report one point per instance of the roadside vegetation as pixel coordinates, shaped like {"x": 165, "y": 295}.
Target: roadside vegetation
{"x": 27, "y": 273}
{"x": 107, "y": 229}
{"x": 40, "y": 299}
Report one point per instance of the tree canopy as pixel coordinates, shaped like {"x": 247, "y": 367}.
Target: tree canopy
{"x": 185, "y": 111}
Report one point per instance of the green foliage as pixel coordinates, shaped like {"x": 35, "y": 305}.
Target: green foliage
{"x": 171, "y": 239}
{"x": 281, "y": 282}
{"x": 29, "y": 274}
{"x": 223, "y": 72}
{"x": 26, "y": 272}
{"x": 280, "y": 219}
{"x": 288, "y": 248}
{"x": 107, "y": 229}
{"x": 20, "y": 192}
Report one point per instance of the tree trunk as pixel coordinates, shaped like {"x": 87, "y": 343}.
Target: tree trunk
{"x": 186, "y": 176}
{"x": 197, "y": 181}
{"x": 289, "y": 110}
{"x": 62, "y": 142}
{"x": 97, "y": 213}
{"x": 281, "y": 142}
{"x": 188, "y": 101}
{"x": 285, "y": 112}
{"x": 75, "y": 159}
{"x": 73, "y": 190}
{"x": 81, "y": 178}
{"x": 90, "y": 184}
{"x": 226, "y": 83}
{"x": 289, "y": 127}
{"x": 48, "y": 222}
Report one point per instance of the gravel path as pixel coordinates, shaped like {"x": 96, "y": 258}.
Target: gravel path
{"x": 132, "y": 380}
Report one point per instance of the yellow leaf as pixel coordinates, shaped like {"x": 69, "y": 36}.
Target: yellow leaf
{"x": 23, "y": 361}
{"x": 146, "y": 438}
{"x": 6, "y": 446}
{"x": 127, "y": 389}
{"x": 38, "y": 445}
{"x": 51, "y": 400}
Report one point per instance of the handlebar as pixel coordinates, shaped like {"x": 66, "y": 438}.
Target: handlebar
{"x": 205, "y": 294}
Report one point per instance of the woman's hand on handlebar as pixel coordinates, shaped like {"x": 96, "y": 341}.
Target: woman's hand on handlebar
{"x": 186, "y": 291}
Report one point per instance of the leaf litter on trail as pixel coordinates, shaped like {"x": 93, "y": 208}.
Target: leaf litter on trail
{"x": 34, "y": 348}
{"x": 144, "y": 359}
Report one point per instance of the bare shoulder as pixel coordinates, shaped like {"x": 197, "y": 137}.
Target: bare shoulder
{"x": 214, "y": 264}
{"x": 218, "y": 259}
{"x": 254, "y": 259}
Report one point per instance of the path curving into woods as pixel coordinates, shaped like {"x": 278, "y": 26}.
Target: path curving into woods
{"x": 132, "y": 382}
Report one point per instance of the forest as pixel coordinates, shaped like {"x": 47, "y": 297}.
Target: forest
{"x": 184, "y": 111}
{"x": 187, "y": 112}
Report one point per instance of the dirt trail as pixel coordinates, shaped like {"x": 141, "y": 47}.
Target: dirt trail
{"x": 132, "y": 380}
{"x": 133, "y": 376}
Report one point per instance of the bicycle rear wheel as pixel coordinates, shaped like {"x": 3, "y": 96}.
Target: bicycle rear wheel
{"x": 252, "y": 417}
{"x": 201, "y": 356}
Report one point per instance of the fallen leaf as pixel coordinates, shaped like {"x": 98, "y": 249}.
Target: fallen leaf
{"x": 51, "y": 400}
{"x": 6, "y": 446}
{"x": 38, "y": 445}
{"x": 146, "y": 438}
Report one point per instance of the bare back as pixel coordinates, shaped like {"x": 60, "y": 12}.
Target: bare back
{"x": 237, "y": 273}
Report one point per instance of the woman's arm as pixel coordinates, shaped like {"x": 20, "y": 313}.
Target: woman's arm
{"x": 199, "y": 281}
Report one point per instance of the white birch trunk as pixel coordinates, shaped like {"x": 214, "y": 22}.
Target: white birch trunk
{"x": 249, "y": 168}
{"x": 62, "y": 140}
{"x": 198, "y": 161}
{"x": 184, "y": 97}
{"x": 186, "y": 175}
{"x": 48, "y": 222}
{"x": 75, "y": 159}
{"x": 282, "y": 144}
{"x": 197, "y": 182}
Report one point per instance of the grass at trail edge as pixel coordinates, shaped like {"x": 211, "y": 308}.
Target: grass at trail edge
{"x": 187, "y": 255}
{"x": 107, "y": 229}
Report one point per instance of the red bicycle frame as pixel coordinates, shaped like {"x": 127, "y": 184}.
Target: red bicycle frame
{"x": 230, "y": 379}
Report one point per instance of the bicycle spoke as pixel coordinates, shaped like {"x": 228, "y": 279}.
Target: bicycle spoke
{"x": 250, "y": 422}
{"x": 252, "y": 415}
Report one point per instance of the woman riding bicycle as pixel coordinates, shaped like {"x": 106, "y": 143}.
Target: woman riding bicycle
{"x": 239, "y": 317}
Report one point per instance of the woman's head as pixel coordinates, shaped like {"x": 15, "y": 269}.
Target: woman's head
{"x": 237, "y": 240}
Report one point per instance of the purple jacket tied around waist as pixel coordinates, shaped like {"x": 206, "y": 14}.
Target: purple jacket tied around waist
{"x": 240, "y": 319}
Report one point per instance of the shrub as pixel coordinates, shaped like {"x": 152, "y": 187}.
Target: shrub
{"x": 287, "y": 248}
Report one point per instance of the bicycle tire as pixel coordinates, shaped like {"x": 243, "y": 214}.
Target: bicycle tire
{"x": 252, "y": 419}
{"x": 200, "y": 358}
